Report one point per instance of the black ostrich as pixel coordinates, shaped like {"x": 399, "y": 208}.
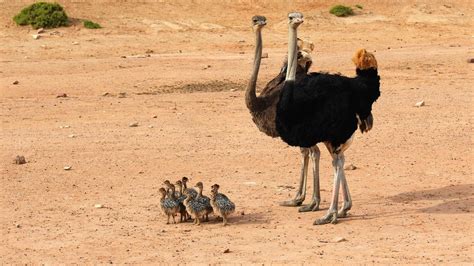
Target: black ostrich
{"x": 327, "y": 108}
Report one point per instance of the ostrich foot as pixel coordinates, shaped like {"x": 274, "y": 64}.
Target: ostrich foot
{"x": 343, "y": 212}
{"x": 312, "y": 207}
{"x": 330, "y": 217}
{"x": 297, "y": 201}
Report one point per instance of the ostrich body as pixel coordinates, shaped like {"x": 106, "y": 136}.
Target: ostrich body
{"x": 327, "y": 108}
{"x": 168, "y": 206}
{"x": 263, "y": 109}
{"x": 221, "y": 203}
{"x": 205, "y": 200}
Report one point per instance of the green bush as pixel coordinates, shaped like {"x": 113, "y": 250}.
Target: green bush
{"x": 341, "y": 11}
{"x": 91, "y": 25}
{"x": 42, "y": 15}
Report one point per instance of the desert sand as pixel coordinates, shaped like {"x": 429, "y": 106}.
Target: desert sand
{"x": 179, "y": 70}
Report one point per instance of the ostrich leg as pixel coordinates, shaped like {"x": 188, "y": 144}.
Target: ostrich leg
{"x": 345, "y": 194}
{"x": 301, "y": 194}
{"x": 338, "y": 165}
{"x": 315, "y": 154}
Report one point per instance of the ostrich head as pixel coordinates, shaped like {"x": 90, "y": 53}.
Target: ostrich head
{"x": 258, "y": 22}
{"x": 295, "y": 19}
{"x": 162, "y": 192}
{"x": 364, "y": 60}
{"x": 305, "y": 48}
{"x": 199, "y": 185}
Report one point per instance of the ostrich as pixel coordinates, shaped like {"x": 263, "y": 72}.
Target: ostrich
{"x": 327, "y": 108}
{"x": 263, "y": 108}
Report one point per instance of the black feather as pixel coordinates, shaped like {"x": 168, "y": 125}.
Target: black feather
{"x": 323, "y": 107}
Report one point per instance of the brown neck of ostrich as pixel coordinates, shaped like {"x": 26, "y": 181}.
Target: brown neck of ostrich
{"x": 200, "y": 191}
{"x": 251, "y": 94}
{"x": 292, "y": 54}
{"x": 180, "y": 190}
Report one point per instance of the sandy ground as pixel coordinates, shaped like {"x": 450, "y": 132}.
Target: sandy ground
{"x": 413, "y": 188}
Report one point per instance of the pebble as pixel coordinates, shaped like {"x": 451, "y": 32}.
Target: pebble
{"x": 470, "y": 60}
{"x": 134, "y": 124}
{"x": 105, "y": 94}
{"x": 40, "y": 30}
{"x": 350, "y": 167}
{"x": 72, "y": 136}
{"x": 227, "y": 250}
{"x": 339, "y": 239}
{"x": 36, "y": 36}
{"x": 62, "y": 95}
{"x": 75, "y": 43}
{"x": 155, "y": 116}
{"x": 20, "y": 159}
{"x": 67, "y": 167}
{"x": 420, "y": 104}
{"x": 16, "y": 82}
{"x": 150, "y": 126}
{"x": 64, "y": 126}
{"x": 98, "y": 206}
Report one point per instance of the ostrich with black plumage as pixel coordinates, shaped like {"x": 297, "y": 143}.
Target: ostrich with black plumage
{"x": 326, "y": 108}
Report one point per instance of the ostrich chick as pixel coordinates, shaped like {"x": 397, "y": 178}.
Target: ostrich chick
{"x": 221, "y": 203}
{"x": 181, "y": 197}
{"x": 185, "y": 180}
{"x": 168, "y": 206}
{"x": 204, "y": 200}
{"x": 193, "y": 206}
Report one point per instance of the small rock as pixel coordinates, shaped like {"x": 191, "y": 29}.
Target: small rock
{"x": 163, "y": 231}
{"x": 75, "y": 43}
{"x": 420, "y": 104}
{"x": 227, "y": 251}
{"x": 339, "y": 239}
{"x": 470, "y": 60}
{"x": 67, "y": 167}
{"x": 150, "y": 126}
{"x": 62, "y": 95}
{"x": 20, "y": 159}
{"x": 134, "y": 124}
{"x": 40, "y": 30}
{"x": 350, "y": 167}
{"x": 149, "y": 51}
{"x": 36, "y": 36}
{"x": 232, "y": 90}
{"x": 265, "y": 55}
{"x": 98, "y": 206}
{"x": 242, "y": 213}
{"x": 122, "y": 94}
{"x": 64, "y": 126}
{"x": 18, "y": 225}
{"x": 155, "y": 116}
{"x": 241, "y": 41}
{"x": 16, "y": 82}
{"x": 72, "y": 136}
{"x": 105, "y": 94}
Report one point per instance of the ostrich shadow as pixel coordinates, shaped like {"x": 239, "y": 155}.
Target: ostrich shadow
{"x": 457, "y": 199}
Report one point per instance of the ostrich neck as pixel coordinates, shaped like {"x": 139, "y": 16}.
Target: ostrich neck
{"x": 200, "y": 192}
{"x": 251, "y": 94}
{"x": 292, "y": 56}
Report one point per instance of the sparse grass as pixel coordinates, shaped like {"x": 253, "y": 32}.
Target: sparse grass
{"x": 341, "y": 11}
{"x": 42, "y": 15}
{"x": 91, "y": 25}
{"x": 359, "y": 6}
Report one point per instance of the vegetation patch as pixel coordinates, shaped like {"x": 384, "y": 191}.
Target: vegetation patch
{"x": 341, "y": 11}
{"x": 91, "y": 25}
{"x": 42, "y": 15}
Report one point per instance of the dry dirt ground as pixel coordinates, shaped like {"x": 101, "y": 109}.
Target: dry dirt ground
{"x": 413, "y": 188}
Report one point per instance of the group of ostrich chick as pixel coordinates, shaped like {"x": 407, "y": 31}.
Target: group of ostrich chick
{"x": 187, "y": 201}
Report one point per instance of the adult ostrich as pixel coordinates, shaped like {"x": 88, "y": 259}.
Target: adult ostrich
{"x": 263, "y": 107}
{"x": 327, "y": 108}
